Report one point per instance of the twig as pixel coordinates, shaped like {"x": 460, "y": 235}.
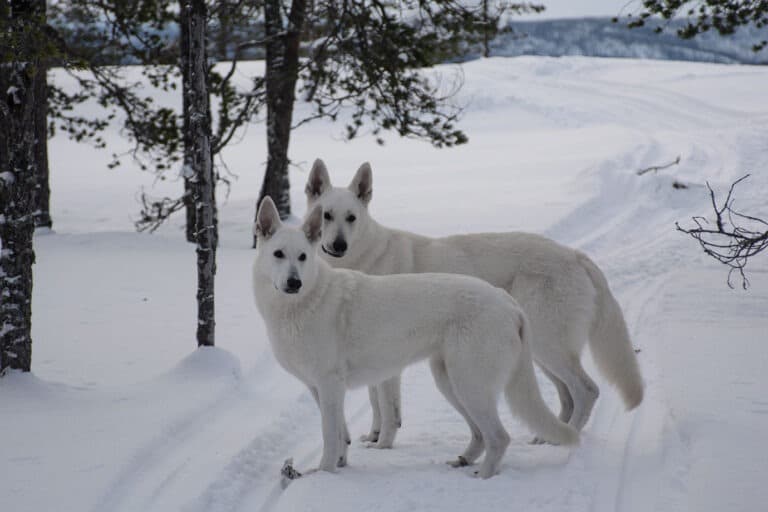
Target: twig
{"x": 156, "y": 211}
{"x": 656, "y": 168}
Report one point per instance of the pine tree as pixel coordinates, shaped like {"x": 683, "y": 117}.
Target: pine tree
{"x": 702, "y": 16}
{"x": 42, "y": 192}
{"x": 20, "y": 26}
{"x": 193, "y": 16}
{"x": 363, "y": 57}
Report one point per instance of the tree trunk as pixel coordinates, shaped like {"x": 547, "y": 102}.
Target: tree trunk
{"x": 223, "y": 35}
{"x": 42, "y": 193}
{"x": 17, "y": 182}
{"x": 486, "y": 29}
{"x": 195, "y": 17}
{"x": 187, "y": 170}
{"x": 282, "y": 69}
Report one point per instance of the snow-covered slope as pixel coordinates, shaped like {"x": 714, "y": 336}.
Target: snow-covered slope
{"x": 121, "y": 413}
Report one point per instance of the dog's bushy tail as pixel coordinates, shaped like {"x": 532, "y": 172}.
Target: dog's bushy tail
{"x": 524, "y": 398}
{"x": 609, "y": 340}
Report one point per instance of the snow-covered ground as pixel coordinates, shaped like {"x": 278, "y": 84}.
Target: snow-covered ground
{"x": 121, "y": 413}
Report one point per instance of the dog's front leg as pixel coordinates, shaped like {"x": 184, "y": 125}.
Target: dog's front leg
{"x": 331, "y": 400}
{"x": 344, "y": 430}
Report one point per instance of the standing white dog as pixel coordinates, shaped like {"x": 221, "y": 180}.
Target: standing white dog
{"x": 564, "y": 294}
{"x": 336, "y": 329}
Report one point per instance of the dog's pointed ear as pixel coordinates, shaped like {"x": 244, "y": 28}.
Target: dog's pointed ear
{"x": 267, "y": 219}
{"x": 362, "y": 183}
{"x": 318, "y": 181}
{"x": 313, "y": 224}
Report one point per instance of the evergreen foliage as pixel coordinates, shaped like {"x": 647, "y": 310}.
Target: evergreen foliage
{"x": 724, "y": 16}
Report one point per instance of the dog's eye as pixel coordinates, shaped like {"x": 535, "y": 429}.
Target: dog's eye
{"x": 351, "y": 219}
{"x": 327, "y": 216}
{"x": 302, "y": 257}
{"x": 279, "y": 254}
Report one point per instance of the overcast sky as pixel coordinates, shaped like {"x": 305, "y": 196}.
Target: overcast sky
{"x": 581, "y": 8}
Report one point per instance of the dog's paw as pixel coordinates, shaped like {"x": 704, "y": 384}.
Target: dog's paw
{"x": 460, "y": 462}
{"x": 370, "y": 438}
{"x": 288, "y": 472}
{"x": 378, "y": 445}
{"x": 483, "y": 473}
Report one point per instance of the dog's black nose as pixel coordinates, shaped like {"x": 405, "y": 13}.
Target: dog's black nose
{"x": 293, "y": 284}
{"x": 339, "y": 245}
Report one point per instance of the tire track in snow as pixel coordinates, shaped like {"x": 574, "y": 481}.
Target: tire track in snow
{"x": 160, "y": 462}
{"x": 254, "y": 471}
{"x": 634, "y": 465}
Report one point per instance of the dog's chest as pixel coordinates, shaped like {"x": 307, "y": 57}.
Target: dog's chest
{"x": 302, "y": 350}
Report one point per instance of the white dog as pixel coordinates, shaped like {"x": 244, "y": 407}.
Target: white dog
{"x": 335, "y": 329}
{"x": 564, "y": 294}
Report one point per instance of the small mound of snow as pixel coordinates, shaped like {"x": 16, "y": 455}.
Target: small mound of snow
{"x": 28, "y": 388}
{"x": 209, "y": 363}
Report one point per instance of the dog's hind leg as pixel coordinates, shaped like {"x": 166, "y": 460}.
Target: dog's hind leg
{"x": 373, "y": 436}
{"x": 582, "y": 388}
{"x": 388, "y": 395}
{"x": 475, "y": 447}
{"x": 480, "y": 402}
{"x": 566, "y": 401}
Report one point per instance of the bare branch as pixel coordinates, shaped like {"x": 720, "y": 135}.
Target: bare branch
{"x": 656, "y": 168}
{"x": 729, "y": 243}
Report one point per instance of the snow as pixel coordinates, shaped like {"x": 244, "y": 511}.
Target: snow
{"x": 122, "y": 413}
{"x": 7, "y": 177}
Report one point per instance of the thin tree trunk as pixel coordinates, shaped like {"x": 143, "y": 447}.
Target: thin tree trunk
{"x": 282, "y": 69}
{"x": 187, "y": 170}
{"x": 42, "y": 193}
{"x": 223, "y": 35}
{"x": 194, "y": 15}
{"x": 17, "y": 182}
{"x": 486, "y": 29}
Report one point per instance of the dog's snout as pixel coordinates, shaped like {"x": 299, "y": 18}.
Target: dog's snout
{"x": 293, "y": 284}
{"x": 339, "y": 245}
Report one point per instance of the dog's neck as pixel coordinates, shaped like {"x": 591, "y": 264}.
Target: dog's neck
{"x": 374, "y": 245}
{"x": 364, "y": 256}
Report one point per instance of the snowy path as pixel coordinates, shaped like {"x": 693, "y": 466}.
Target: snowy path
{"x": 554, "y": 146}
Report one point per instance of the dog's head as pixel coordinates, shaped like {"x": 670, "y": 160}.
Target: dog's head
{"x": 287, "y": 256}
{"x": 345, "y": 210}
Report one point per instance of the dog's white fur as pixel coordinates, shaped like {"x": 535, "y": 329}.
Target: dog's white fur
{"x": 564, "y": 294}
{"x": 335, "y": 329}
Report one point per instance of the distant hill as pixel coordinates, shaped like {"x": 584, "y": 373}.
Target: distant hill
{"x": 600, "y": 37}
{"x": 594, "y": 37}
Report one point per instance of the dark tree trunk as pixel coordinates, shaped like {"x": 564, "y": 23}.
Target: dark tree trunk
{"x": 223, "y": 35}
{"x": 281, "y": 74}
{"x": 17, "y": 182}
{"x": 195, "y": 17}
{"x": 187, "y": 170}
{"x": 486, "y": 31}
{"x": 42, "y": 194}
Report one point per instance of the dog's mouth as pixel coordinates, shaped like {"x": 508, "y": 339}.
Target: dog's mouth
{"x": 331, "y": 252}
{"x": 290, "y": 291}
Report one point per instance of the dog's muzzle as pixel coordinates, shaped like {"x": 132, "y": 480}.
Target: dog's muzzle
{"x": 331, "y": 252}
